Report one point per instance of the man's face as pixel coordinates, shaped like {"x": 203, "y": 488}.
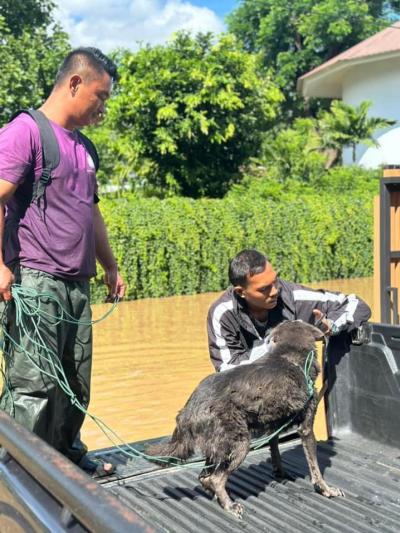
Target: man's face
{"x": 261, "y": 292}
{"x": 90, "y": 96}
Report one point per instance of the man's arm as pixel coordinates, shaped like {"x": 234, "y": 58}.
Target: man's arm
{"x": 7, "y": 189}
{"x": 335, "y": 311}
{"x": 106, "y": 258}
{"x": 349, "y": 314}
{"x": 19, "y": 148}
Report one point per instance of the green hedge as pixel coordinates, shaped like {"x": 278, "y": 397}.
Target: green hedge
{"x": 182, "y": 246}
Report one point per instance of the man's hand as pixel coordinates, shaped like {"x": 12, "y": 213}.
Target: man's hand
{"x": 323, "y": 323}
{"x": 6, "y": 280}
{"x": 115, "y": 284}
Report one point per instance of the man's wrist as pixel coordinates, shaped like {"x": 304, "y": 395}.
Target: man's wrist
{"x": 111, "y": 266}
{"x": 333, "y": 329}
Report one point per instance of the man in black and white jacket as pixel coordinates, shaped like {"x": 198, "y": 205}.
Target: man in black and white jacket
{"x": 239, "y": 322}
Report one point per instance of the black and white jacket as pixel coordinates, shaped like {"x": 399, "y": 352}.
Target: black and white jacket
{"x": 233, "y": 339}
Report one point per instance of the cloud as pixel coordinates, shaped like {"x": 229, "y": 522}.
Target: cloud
{"x": 126, "y": 23}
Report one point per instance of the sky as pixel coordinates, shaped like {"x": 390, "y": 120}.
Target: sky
{"x": 111, "y": 24}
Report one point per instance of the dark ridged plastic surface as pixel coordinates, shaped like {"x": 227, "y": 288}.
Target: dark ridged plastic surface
{"x": 369, "y": 473}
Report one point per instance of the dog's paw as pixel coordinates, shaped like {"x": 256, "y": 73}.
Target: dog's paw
{"x": 335, "y": 491}
{"x": 236, "y": 509}
{"x": 329, "y": 492}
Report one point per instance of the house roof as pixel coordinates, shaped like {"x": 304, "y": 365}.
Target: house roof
{"x": 326, "y": 79}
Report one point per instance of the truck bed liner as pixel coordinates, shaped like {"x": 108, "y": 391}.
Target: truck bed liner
{"x": 172, "y": 500}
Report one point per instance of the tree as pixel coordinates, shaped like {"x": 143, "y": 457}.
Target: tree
{"x": 303, "y": 152}
{"x": 295, "y": 153}
{"x": 187, "y": 115}
{"x": 30, "y": 53}
{"x": 345, "y": 125}
{"x": 20, "y": 15}
{"x": 294, "y": 37}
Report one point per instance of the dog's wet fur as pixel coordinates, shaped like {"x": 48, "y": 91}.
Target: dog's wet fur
{"x": 227, "y": 409}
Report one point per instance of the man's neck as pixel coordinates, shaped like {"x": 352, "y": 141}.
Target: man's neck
{"x": 259, "y": 314}
{"x": 56, "y": 112}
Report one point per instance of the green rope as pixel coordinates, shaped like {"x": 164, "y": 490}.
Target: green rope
{"x": 258, "y": 443}
{"x": 28, "y": 308}
{"x": 27, "y": 303}
{"x": 306, "y": 371}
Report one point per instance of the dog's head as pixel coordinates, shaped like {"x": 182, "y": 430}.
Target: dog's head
{"x": 296, "y": 334}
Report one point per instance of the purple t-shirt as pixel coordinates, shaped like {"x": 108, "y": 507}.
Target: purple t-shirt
{"x": 60, "y": 238}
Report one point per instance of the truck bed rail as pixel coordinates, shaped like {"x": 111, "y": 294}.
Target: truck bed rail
{"x": 41, "y": 490}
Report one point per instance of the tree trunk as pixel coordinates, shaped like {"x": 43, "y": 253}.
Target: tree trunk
{"x": 332, "y": 157}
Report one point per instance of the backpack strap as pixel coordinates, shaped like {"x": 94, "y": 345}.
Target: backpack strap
{"x": 90, "y": 147}
{"x": 50, "y": 151}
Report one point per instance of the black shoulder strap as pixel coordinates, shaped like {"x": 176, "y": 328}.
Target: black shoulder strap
{"x": 50, "y": 151}
{"x": 90, "y": 147}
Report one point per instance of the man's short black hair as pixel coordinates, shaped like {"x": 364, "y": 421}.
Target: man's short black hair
{"x": 246, "y": 263}
{"x": 86, "y": 56}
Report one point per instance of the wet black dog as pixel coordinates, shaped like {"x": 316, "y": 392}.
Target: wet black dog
{"x": 227, "y": 409}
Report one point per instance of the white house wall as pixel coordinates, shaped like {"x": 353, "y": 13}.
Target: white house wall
{"x": 378, "y": 81}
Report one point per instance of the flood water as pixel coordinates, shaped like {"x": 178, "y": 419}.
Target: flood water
{"x": 148, "y": 357}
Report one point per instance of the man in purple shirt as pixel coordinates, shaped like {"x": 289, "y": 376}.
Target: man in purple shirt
{"x": 52, "y": 246}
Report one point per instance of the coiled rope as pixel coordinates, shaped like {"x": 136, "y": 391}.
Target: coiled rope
{"x": 30, "y": 314}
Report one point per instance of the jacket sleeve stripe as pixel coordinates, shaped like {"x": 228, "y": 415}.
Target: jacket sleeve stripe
{"x": 316, "y": 296}
{"x": 216, "y": 323}
{"x": 348, "y": 316}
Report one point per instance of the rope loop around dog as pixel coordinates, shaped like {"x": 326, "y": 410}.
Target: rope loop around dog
{"x": 306, "y": 371}
{"x": 258, "y": 443}
{"x": 29, "y": 315}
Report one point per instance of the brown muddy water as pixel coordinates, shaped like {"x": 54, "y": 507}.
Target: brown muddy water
{"x": 148, "y": 357}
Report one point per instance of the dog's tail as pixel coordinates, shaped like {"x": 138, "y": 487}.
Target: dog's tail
{"x": 180, "y": 446}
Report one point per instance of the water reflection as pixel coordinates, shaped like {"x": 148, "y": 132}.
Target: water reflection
{"x": 148, "y": 357}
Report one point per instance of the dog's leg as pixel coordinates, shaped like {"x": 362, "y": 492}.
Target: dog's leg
{"x": 310, "y": 450}
{"x": 205, "y": 475}
{"x": 277, "y": 468}
{"x": 216, "y": 481}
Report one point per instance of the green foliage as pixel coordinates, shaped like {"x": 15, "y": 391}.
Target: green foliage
{"x": 350, "y": 180}
{"x": 261, "y": 183}
{"x": 20, "y": 15}
{"x": 30, "y": 53}
{"x": 294, "y": 37}
{"x": 295, "y": 153}
{"x": 345, "y": 125}
{"x": 182, "y": 246}
{"x": 186, "y": 116}
{"x": 305, "y": 150}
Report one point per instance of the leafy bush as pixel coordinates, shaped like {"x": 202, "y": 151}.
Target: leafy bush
{"x": 182, "y": 246}
{"x": 296, "y": 152}
{"x": 186, "y": 116}
{"x": 266, "y": 182}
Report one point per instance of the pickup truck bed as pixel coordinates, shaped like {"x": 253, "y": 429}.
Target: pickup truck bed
{"x": 41, "y": 491}
{"x": 172, "y": 499}
{"x": 363, "y": 459}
